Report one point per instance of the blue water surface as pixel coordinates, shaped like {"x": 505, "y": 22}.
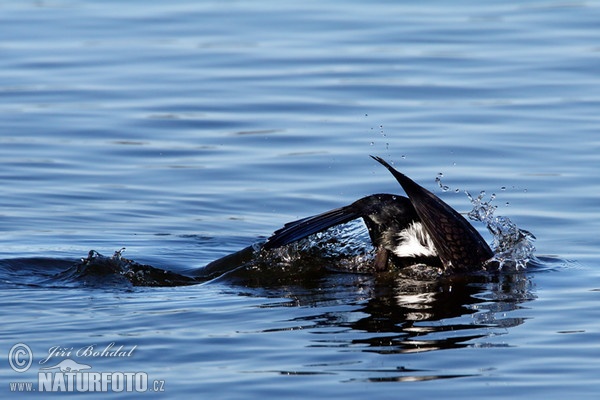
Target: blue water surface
{"x": 185, "y": 131}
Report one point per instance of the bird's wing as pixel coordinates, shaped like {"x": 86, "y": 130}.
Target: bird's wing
{"x": 296, "y": 230}
{"x": 459, "y": 244}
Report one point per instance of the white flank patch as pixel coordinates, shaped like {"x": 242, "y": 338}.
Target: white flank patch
{"x": 414, "y": 242}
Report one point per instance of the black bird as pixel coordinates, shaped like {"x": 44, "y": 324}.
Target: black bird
{"x": 405, "y": 231}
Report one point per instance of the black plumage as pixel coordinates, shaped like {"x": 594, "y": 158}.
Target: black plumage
{"x": 418, "y": 229}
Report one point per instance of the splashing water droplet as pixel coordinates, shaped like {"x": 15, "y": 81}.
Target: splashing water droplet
{"x": 512, "y": 246}
{"x": 438, "y": 180}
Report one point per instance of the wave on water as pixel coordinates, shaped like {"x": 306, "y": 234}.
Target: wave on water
{"x": 95, "y": 270}
{"x": 97, "y": 267}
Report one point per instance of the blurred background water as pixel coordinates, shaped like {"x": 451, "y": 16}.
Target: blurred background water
{"x": 187, "y": 130}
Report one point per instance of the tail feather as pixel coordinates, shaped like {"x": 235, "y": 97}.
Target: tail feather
{"x": 304, "y": 227}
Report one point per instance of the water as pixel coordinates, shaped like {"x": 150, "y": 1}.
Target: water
{"x": 185, "y": 132}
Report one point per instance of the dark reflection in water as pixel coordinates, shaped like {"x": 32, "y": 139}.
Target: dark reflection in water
{"x": 411, "y": 312}
{"x": 393, "y": 314}
{"x": 401, "y": 315}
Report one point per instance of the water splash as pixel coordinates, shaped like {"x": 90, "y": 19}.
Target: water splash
{"x": 102, "y": 271}
{"x": 438, "y": 180}
{"x": 512, "y": 246}
{"x": 344, "y": 247}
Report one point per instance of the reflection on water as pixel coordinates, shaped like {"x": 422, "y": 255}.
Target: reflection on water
{"x": 400, "y": 315}
{"x": 392, "y": 314}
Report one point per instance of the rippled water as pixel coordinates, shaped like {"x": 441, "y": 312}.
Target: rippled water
{"x": 187, "y": 131}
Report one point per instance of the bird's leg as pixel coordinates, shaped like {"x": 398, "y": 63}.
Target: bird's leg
{"x": 381, "y": 259}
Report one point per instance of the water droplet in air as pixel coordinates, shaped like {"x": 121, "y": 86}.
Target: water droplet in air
{"x": 511, "y": 245}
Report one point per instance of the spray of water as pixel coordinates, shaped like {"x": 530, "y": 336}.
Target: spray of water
{"x": 512, "y": 246}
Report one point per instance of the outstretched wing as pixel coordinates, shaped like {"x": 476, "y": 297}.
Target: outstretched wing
{"x": 384, "y": 215}
{"x": 296, "y": 230}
